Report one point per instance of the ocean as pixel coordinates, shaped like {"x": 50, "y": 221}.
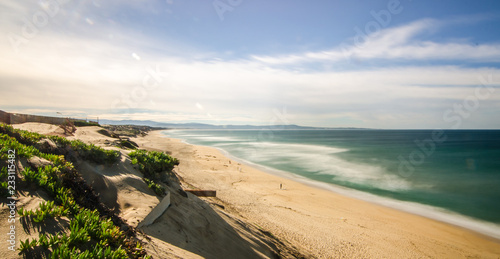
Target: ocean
{"x": 452, "y": 176}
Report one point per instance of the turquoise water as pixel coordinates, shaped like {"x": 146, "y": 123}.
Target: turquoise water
{"x": 458, "y": 171}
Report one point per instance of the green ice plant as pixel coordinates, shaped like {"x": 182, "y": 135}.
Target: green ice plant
{"x": 158, "y": 189}
{"x": 152, "y": 163}
{"x": 86, "y": 226}
{"x": 94, "y": 153}
{"x": 44, "y": 211}
{"x": 86, "y": 151}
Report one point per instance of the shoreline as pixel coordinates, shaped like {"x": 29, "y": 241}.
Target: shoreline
{"x": 488, "y": 229}
{"x": 322, "y": 222}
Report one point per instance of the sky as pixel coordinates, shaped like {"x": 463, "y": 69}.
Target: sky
{"x": 407, "y": 64}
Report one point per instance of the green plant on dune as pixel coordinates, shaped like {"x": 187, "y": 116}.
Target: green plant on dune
{"x": 89, "y": 152}
{"x": 4, "y": 187}
{"x": 94, "y": 153}
{"x": 153, "y": 163}
{"x": 158, "y": 189}
{"x": 81, "y": 123}
{"x": 90, "y": 234}
{"x": 44, "y": 211}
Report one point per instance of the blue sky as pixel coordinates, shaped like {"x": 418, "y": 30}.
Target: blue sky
{"x": 377, "y": 64}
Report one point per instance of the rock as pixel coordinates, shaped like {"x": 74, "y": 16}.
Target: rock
{"x": 37, "y": 162}
{"x": 108, "y": 133}
{"x": 128, "y": 144}
{"x": 21, "y": 164}
{"x": 46, "y": 145}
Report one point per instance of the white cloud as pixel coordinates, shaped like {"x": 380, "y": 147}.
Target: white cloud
{"x": 398, "y": 43}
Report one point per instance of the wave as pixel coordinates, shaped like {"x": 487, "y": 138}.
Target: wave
{"x": 201, "y": 137}
{"x": 310, "y": 160}
{"x": 436, "y": 213}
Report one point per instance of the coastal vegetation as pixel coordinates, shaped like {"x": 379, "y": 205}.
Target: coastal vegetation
{"x": 153, "y": 163}
{"x": 154, "y": 166}
{"x": 93, "y": 231}
{"x": 71, "y": 148}
{"x": 158, "y": 189}
{"x": 80, "y": 123}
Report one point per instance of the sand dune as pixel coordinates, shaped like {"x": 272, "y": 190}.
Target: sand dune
{"x": 190, "y": 228}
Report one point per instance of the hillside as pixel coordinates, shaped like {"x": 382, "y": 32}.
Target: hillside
{"x": 191, "y": 227}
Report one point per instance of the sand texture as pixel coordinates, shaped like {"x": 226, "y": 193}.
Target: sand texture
{"x": 189, "y": 228}
{"x": 320, "y": 223}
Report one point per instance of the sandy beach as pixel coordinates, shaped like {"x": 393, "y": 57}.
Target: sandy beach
{"x": 252, "y": 217}
{"x": 318, "y": 222}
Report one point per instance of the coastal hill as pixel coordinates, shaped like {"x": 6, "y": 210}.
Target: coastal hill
{"x": 118, "y": 190}
{"x": 211, "y": 126}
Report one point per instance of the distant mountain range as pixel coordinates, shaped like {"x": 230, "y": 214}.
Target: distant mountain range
{"x": 208, "y": 126}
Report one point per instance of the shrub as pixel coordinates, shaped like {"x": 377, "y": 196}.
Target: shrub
{"x": 94, "y": 153}
{"x": 152, "y": 163}
{"x": 86, "y": 151}
{"x": 158, "y": 189}
{"x": 80, "y": 123}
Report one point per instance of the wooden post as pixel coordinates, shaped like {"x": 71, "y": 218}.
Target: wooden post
{"x": 203, "y": 193}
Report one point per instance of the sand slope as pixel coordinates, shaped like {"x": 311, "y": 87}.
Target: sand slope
{"x": 190, "y": 228}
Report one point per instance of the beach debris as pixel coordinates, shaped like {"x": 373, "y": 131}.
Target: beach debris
{"x": 203, "y": 193}
{"x": 156, "y": 212}
{"x": 68, "y": 127}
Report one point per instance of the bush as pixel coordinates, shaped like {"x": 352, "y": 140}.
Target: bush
{"x": 158, "y": 189}
{"x": 94, "y": 153}
{"x": 85, "y": 123}
{"x": 153, "y": 163}
{"x": 86, "y": 151}
{"x": 23, "y": 136}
